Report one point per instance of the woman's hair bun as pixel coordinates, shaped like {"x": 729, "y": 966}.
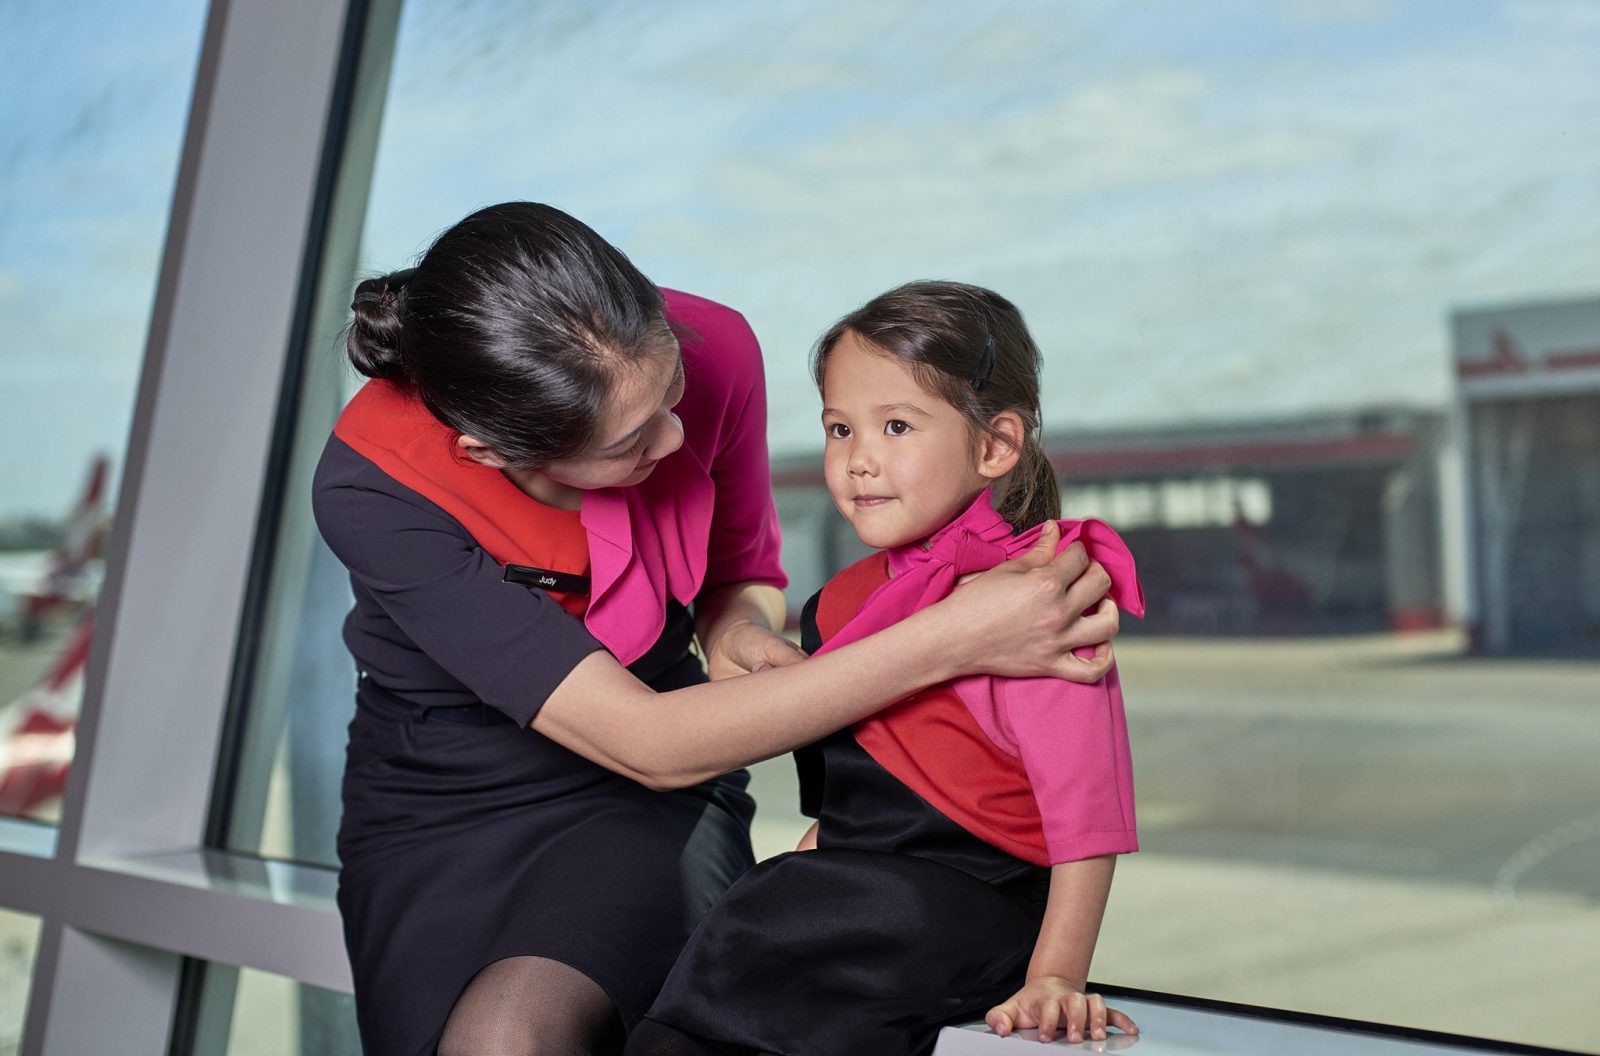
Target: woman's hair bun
{"x": 373, "y": 339}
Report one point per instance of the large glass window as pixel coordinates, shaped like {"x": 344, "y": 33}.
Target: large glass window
{"x": 1240, "y": 233}
{"x": 93, "y": 97}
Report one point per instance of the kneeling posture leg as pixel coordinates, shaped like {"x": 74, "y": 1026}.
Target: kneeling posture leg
{"x": 532, "y": 1006}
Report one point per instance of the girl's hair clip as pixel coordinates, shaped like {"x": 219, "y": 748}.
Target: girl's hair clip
{"x": 985, "y": 369}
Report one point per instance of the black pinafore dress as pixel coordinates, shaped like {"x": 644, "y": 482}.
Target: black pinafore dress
{"x": 900, "y": 923}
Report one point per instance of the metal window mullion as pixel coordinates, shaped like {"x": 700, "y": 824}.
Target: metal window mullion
{"x": 314, "y": 392}
{"x": 298, "y": 941}
{"x": 223, "y": 315}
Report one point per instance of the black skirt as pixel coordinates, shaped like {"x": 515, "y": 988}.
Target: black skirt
{"x": 843, "y": 952}
{"x": 465, "y": 844}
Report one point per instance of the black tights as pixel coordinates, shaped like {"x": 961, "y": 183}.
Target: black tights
{"x": 532, "y": 1006}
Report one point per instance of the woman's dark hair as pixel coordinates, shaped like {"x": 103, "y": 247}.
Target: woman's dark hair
{"x": 969, "y": 347}
{"x": 511, "y": 329}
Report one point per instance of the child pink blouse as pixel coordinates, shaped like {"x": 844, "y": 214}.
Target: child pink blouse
{"x": 1065, "y": 742}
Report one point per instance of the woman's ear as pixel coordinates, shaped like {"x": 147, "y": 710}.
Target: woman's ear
{"x": 479, "y": 452}
{"x": 1001, "y": 446}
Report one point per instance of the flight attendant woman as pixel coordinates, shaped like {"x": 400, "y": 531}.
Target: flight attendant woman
{"x": 556, "y": 478}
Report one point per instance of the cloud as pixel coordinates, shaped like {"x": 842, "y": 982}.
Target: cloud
{"x": 1191, "y": 236}
{"x": 1202, "y": 218}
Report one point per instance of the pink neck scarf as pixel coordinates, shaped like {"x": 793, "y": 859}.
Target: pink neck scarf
{"x": 978, "y": 540}
{"x": 1070, "y": 738}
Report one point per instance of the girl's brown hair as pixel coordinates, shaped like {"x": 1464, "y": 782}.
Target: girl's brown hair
{"x": 944, "y": 332}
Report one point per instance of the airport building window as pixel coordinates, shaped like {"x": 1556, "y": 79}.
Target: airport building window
{"x": 1242, "y": 275}
{"x": 1313, "y": 284}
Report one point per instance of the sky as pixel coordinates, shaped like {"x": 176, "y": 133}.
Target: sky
{"x": 94, "y": 95}
{"x": 1207, "y": 212}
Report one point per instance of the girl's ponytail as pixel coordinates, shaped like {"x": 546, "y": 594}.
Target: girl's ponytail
{"x": 1032, "y": 493}
{"x": 373, "y": 339}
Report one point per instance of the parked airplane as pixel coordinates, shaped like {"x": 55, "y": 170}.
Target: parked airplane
{"x": 37, "y": 729}
{"x": 70, "y": 574}
{"x": 39, "y": 737}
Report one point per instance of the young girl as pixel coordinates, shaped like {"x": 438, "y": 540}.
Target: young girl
{"x": 966, "y": 835}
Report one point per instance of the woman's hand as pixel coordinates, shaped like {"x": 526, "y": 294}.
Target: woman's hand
{"x": 1028, "y": 616}
{"x": 1052, "y": 1003}
{"x": 746, "y": 647}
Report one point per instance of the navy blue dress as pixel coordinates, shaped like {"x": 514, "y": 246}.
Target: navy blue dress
{"x": 466, "y": 837}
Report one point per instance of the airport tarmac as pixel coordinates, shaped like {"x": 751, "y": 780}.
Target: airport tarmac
{"x": 1376, "y": 828}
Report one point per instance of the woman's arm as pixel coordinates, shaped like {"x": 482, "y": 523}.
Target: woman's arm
{"x": 516, "y": 650}
{"x": 1023, "y": 618}
{"x": 1054, "y": 995}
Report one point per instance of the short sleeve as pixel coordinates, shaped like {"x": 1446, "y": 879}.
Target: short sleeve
{"x": 1073, "y": 740}
{"x": 510, "y": 645}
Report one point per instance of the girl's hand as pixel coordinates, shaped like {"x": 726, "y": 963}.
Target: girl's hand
{"x": 745, "y": 647}
{"x": 1026, "y": 617}
{"x": 1052, "y": 1003}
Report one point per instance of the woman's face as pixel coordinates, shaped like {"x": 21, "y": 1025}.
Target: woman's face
{"x": 636, "y": 430}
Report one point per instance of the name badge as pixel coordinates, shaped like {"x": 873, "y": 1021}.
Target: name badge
{"x": 545, "y": 579}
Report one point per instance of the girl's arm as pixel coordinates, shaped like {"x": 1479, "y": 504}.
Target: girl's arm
{"x": 1054, "y": 995}
{"x": 1022, "y": 619}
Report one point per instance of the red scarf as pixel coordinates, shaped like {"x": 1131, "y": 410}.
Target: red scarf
{"x": 387, "y": 424}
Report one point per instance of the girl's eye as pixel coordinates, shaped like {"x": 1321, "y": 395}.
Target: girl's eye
{"x": 839, "y": 431}
{"x": 895, "y": 427}
{"x": 633, "y": 449}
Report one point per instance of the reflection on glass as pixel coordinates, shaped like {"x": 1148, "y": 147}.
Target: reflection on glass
{"x": 93, "y": 97}
{"x": 243, "y": 1012}
{"x": 1309, "y": 281}
{"x": 19, "y": 944}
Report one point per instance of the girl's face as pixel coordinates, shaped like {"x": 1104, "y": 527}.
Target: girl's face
{"x": 637, "y": 429}
{"x": 900, "y": 463}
